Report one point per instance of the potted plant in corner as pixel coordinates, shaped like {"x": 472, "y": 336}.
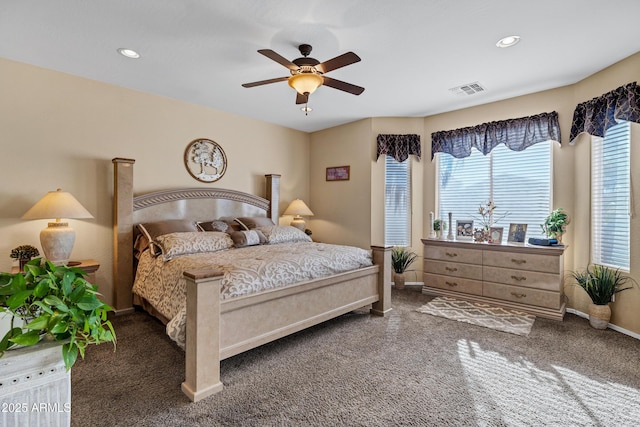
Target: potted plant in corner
{"x": 601, "y": 284}
{"x": 555, "y": 224}
{"x": 53, "y": 303}
{"x": 401, "y": 259}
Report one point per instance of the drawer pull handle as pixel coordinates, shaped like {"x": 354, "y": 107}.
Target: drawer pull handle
{"x": 451, "y": 255}
{"x": 518, "y": 261}
{"x": 517, "y": 295}
{"x": 452, "y": 284}
{"x": 518, "y": 278}
{"x": 451, "y": 269}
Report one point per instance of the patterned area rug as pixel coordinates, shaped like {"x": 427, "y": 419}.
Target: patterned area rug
{"x": 501, "y": 319}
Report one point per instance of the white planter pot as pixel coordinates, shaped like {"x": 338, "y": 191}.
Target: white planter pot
{"x": 35, "y": 388}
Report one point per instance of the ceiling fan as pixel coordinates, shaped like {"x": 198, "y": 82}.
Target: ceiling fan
{"x": 307, "y": 74}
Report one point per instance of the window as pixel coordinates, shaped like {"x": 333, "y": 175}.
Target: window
{"x": 397, "y": 202}
{"x": 610, "y": 194}
{"x": 518, "y": 182}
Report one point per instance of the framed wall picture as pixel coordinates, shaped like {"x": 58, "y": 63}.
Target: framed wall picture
{"x": 495, "y": 235}
{"x": 205, "y": 160}
{"x": 464, "y": 229}
{"x": 517, "y": 233}
{"x": 338, "y": 173}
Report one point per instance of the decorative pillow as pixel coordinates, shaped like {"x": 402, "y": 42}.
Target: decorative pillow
{"x": 193, "y": 242}
{"x": 283, "y": 234}
{"x": 249, "y": 223}
{"x": 248, "y": 238}
{"x": 215, "y": 225}
{"x": 151, "y": 230}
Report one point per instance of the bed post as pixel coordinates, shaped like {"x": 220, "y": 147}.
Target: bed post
{"x": 203, "y": 334}
{"x": 123, "y": 234}
{"x": 273, "y": 195}
{"x": 382, "y": 258}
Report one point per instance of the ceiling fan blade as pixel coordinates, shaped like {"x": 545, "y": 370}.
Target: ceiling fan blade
{"x": 344, "y": 86}
{"x": 338, "y": 62}
{"x": 265, "y": 82}
{"x": 301, "y": 99}
{"x": 278, "y": 58}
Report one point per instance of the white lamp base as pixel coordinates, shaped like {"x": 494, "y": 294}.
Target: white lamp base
{"x": 298, "y": 223}
{"x": 57, "y": 242}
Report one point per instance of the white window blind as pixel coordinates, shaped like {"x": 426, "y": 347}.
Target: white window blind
{"x": 610, "y": 193}
{"x": 518, "y": 182}
{"x": 397, "y": 203}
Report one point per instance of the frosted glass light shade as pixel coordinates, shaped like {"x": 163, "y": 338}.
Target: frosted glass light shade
{"x": 58, "y": 238}
{"x": 305, "y": 83}
{"x": 298, "y": 208}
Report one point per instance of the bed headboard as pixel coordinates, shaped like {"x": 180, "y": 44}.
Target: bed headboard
{"x": 200, "y": 204}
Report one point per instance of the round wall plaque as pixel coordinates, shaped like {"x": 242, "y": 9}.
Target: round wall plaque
{"x": 205, "y": 160}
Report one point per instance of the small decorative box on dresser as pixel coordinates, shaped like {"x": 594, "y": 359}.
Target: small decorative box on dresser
{"x": 521, "y": 277}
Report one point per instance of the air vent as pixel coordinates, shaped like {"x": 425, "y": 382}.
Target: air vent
{"x": 468, "y": 89}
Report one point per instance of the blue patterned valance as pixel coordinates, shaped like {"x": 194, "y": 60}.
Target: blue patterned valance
{"x": 399, "y": 146}
{"x": 516, "y": 134}
{"x": 599, "y": 114}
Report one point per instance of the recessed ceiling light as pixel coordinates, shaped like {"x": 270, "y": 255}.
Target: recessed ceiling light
{"x": 508, "y": 41}
{"x": 129, "y": 53}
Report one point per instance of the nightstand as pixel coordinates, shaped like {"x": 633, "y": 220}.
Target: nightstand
{"x": 90, "y": 266}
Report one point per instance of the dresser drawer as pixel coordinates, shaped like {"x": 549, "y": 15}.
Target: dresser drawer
{"x": 524, "y": 278}
{"x": 457, "y": 284}
{"x": 443, "y": 253}
{"x": 456, "y": 269}
{"x": 522, "y": 295}
{"x": 531, "y": 262}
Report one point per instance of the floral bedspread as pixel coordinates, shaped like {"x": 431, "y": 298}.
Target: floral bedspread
{"x": 246, "y": 270}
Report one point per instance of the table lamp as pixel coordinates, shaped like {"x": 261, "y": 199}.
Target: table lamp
{"x": 58, "y": 238}
{"x": 298, "y": 208}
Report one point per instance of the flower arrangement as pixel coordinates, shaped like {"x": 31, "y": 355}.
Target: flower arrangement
{"x": 486, "y": 212}
{"x": 24, "y": 252}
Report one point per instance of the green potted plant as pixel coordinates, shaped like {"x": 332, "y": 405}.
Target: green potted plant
{"x": 54, "y": 303}
{"x": 439, "y": 226}
{"x": 601, "y": 284}
{"x": 24, "y": 253}
{"x": 401, "y": 260}
{"x": 555, "y": 224}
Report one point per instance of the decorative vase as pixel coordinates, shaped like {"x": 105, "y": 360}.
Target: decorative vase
{"x": 22, "y": 262}
{"x": 398, "y": 280}
{"x": 599, "y": 316}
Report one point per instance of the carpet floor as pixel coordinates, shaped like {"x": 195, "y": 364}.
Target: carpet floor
{"x": 407, "y": 369}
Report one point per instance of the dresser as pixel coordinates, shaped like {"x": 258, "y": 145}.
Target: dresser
{"x": 522, "y": 277}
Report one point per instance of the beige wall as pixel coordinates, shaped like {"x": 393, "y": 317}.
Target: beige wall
{"x": 57, "y": 130}
{"x": 342, "y": 208}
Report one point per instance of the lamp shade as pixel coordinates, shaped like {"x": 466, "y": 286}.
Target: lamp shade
{"x": 58, "y": 238}
{"x": 305, "y": 83}
{"x": 298, "y": 207}
{"x": 57, "y": 204}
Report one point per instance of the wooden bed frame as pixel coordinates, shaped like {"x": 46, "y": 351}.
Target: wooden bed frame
{"x": 218, "y": 329}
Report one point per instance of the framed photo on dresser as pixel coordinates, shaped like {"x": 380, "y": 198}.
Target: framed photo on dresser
{"x": 517, "y": 233}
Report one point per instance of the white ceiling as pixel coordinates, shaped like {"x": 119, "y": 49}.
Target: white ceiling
{"x": 413, "y": 51}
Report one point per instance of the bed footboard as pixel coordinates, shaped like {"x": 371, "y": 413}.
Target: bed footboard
{"x": 324, "y": 299}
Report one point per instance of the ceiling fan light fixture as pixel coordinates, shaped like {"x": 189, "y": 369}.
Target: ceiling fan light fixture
{"x": 305, "y": 83}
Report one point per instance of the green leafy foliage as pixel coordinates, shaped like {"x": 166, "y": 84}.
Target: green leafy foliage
{"x": 601, "y": 282}
{"x": 401, "y": 259}
{"x": 556, "y": 223}
{"x": 56, "y": 301}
